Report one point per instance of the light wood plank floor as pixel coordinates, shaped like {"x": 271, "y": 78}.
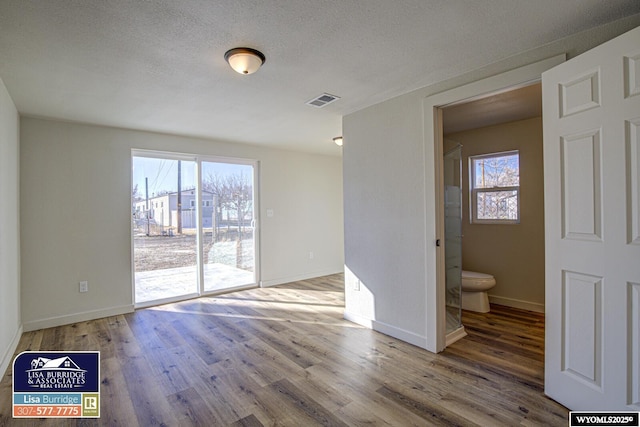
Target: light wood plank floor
{"x": 284, "y": 356}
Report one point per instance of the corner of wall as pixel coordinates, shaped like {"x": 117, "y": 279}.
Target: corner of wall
{"x": 10, "y": 300}
{"x": 7, "y": 357}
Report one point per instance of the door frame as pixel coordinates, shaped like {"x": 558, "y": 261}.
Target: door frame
{"x": 198, "y": 159}
{"x": 433, "y": 151}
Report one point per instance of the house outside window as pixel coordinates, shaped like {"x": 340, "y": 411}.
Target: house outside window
{"x": 495, "y": 188}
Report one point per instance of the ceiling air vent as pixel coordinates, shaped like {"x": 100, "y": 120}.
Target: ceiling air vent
{"x": 322, "y": 100}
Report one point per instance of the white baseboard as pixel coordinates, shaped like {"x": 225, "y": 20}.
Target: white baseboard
{"x": 392, "y": 331}
{"x": 358, "y": 320}
{"x": 313, "y": 275}
{"x": 7, "y": 357}
{"x": 516, "y": 303}
{"x": 76, "y": 317}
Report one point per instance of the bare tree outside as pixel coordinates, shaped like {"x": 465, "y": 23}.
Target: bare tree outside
{"x": 234, "y": 200}
{"x": 136, "y": 196}
{"x": 500, "y": 171}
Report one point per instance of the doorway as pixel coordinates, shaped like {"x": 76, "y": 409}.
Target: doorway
{"x": 193, "y": 226}
{"x": 501, "y": 188}
{"x": 584, "y": 274}
{"x": 433, "y": 126}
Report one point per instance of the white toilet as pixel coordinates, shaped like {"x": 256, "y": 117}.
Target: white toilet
{"x": 474, "y": 291}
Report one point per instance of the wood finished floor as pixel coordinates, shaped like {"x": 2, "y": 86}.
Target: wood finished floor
{"x": 284, "y": 356}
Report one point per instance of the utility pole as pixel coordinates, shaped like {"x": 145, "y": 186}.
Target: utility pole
{"x": 214, "y": 219}
{"x": 484, "y": 198}
{"x": 146, "y": 190}
{"x": 179, "y": 197}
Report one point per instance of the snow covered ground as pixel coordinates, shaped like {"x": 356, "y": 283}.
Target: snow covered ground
{"x": 221, "y": 273}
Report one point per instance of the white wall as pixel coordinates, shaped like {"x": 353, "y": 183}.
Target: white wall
{"x": 388, "y": 205}
{"x": 384, "y": 219}
{"x": 10, "y": 324}
{"x": 75, "y": 195}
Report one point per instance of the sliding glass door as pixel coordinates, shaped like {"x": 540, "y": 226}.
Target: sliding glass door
{"x": 164, "y": 233}
{"x": 193, "y": 226}
{"x": 228, "y": 226}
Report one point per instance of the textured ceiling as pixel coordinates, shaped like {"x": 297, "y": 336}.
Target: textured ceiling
{"x": 158, "y": 64}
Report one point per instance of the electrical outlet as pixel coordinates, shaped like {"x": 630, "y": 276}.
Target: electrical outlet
{"x": 356, "y": 285}
{"x": 310, "y": 255}
{"x": 84, "y": 286}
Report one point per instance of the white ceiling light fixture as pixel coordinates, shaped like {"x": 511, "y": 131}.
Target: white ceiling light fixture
{"x": 244, "y": 60}
{"x": 338, "y": 141}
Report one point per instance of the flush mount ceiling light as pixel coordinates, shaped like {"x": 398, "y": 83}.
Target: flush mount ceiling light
{"x": 244, "y": 60}
{"x": 338, "y": 141}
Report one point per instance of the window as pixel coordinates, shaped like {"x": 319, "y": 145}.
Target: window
{"x": 495, "y": 188}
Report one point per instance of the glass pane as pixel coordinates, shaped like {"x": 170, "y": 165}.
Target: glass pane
{"x": 498, "y": 171}
{"x": 164, "y": 228}
{"x": 227, "y": 225}
{"x": 453, "y": 237}
{"x": 497, "y": 205}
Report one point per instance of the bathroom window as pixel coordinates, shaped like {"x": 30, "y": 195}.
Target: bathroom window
{"x": 495, "y": 188}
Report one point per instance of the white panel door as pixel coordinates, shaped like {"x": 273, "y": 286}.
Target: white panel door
{"x": 591, "y": 115}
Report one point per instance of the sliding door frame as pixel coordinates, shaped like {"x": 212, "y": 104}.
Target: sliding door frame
{"x": 198, "y": 159}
